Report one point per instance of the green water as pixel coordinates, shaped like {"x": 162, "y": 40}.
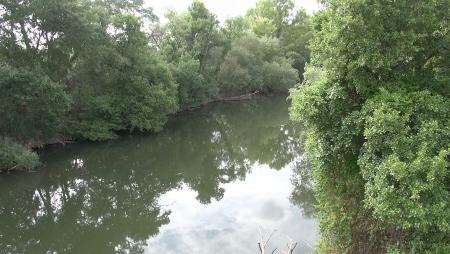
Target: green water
{"x": 206, "y": 184}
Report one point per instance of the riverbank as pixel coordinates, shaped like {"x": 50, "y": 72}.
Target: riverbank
{"x": 15, "y": 157}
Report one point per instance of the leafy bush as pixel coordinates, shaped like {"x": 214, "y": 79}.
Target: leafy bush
{"x": 14, "y": 156}
{"x": 404, "y": 160}
{"x": 32, "y": 105}
{"x": 192, "y": 88}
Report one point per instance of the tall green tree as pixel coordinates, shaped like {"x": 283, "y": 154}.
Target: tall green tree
{"x": 192, "y": 87}
{"x": 295, "y": 40}
{"x": 270, "y": 17}
{"x": 278, "y": 18}
{"x": 194, "y": 34}
{"x": 134, "y": 88}
{"x": 232, "y": 29}
{"x": 256, "y": 64}
{"x": 194, "y": 31}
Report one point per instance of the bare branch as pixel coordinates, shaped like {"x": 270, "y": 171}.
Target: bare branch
{"x": 291, "y": 246}
{"x": 264, "y": 240}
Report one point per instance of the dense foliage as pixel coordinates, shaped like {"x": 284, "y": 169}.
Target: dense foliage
{"x": 292, "y": 28}
{"x": 129, "y": 88}
{"x": 209, "y": 60}
{"x": 375, "y": 102}
{"x": 32, "y": 104}
{"x": 255, "y": 64}
{"x": 87, "y": 69}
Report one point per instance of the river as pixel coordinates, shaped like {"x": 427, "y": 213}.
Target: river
{"x": 208, "y": 183}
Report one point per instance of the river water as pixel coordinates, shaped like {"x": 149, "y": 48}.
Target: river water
{"x": 210, "y": 182}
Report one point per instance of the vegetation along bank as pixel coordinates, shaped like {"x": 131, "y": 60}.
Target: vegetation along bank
{"x": 84, "y": 69}
{"x": 376, "y": 107}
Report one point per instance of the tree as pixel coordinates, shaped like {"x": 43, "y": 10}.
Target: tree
{"x": 194, "y": 34}
{"x": 256, "y": 64}
{"x": 232, "y": 29}
{"x": 134, "y": 91}
{"x": 32, "y": 110}
{"x": 32, "y": 105}
{"x": 194, "y": 31}
{"x": 277, "y": 18}
{"x": 270, "y": 17}
{"x": 192, "y": 90}
{"x": 295, "y": 40}
{"x": 375, "y": 101}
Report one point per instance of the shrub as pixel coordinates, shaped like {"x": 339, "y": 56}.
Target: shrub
{"x": 14, "y": 156}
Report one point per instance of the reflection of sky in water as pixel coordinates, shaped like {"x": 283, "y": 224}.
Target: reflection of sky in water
{"x": 232, "y": 224}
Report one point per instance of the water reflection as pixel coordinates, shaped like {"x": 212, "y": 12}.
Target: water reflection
{"x": 302, "y": 194}
{"x": 209, "y": 178}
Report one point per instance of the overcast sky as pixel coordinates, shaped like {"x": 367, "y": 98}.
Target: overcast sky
{"x": 222, "y": 8}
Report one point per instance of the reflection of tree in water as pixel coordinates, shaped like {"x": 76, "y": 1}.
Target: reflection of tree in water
{"x": 95, "y": 212}
{"x": 103, "y": 197}
{"x": 303, "y": 193}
